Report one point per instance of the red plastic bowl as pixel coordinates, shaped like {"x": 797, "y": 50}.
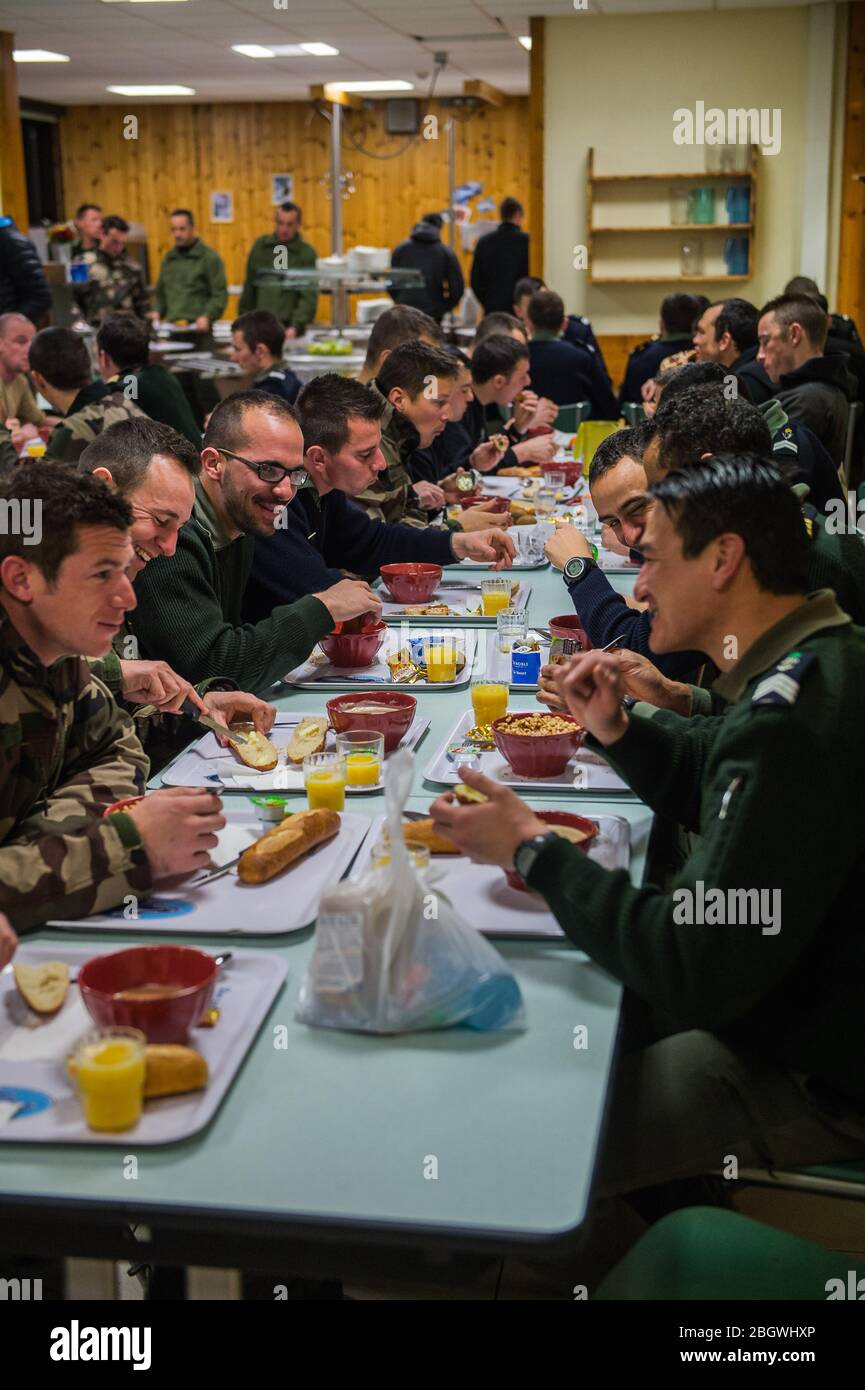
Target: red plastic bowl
{"x": 394, "y": 723}
{"x": 354, "y": 648}
{"x": 162, "y": 1020}
{"x": 570, "y": 625}
{"x": 557, "y": 818}
{"x": 537, "y": 755}
{"x": 489, "y": 504}
{"x": 537, "y": 430}
{"x": 414, "y": 582}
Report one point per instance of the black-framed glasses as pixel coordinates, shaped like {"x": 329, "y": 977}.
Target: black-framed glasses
{"x": 270, "y": 472}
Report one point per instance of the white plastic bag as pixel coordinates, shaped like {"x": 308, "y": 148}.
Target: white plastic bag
{"x": 392, "y": 955}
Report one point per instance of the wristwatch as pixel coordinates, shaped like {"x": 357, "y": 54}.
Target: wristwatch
{"x": 527, "y": 852}
{"x": 578, "y": 566}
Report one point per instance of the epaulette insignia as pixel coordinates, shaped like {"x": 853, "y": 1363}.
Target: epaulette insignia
{"x": 780, "y": 686}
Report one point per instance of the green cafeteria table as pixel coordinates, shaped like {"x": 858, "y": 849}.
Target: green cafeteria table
{"x": 315, "y": 1162}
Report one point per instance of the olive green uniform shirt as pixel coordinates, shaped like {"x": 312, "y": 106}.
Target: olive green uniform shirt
{"x": 17, "y": 402}
{"x": 192, "y": 283}
{"x": 293, "y": 307}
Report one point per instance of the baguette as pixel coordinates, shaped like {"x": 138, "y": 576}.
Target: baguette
{"x": 255, "y": 750}
{"x": 43, "y": 987}
{"x": 169, "y": 1070}
{"x": 468, "y": 796}
{"x": 309, "y": 737}
{"x": 285, "y": 843}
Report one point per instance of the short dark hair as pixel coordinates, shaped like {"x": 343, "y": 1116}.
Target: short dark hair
{"x": 626, "y": 443}
{"x": 67, "y": 501}
{"x": 434, "y": 219}
{"x": 498, "y": 322}
{"x": 674, "y": 380}
{"x": 546, "y": 310}
{"x": 527, "y": 285}
{"x": 409, "y": 366}
{"x": 225, "y": 428}
{"x": 803, "y": 284}
{"x": 288, "y": 206}
{"x": 398, "y": 325}
{"x": 749, "y": 496}
{"x": 798, "y": 308}
{"x": 461, "y": 357}
{"x": 261, "y": 326}
{"x": 125, "y": 339}
{"x": 508, "y": 208}
{"x": 497, "y": 355}
{"x": 182, "y": 212}
{"x": 702, "y": 421}
{"x": 739, "y": 318}
{"x": 327, "y": 403}
{"x": 128, "y": 448}
{"x": 113, "y": 223}
{"x": 679, "y": 312}
{"x": 60, "y": 356}
{"x": 87, "y": 207}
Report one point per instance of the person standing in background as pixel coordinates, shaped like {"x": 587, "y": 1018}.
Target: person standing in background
{"x": 501, "y": 259}
{"x": 116, "y": 283}
{"x": 191, "y": 288}
{"x": 88, "y": 225}
{"x": 23, "y": 287}
{"x": 282, "y": 249}
{"x": 425, "y": 251}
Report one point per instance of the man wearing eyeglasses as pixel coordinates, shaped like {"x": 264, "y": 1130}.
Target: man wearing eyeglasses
{"x": 190, "y": 609}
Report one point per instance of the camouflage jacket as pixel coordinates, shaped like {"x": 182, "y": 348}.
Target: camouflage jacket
{"x": 92, "y": 411}
{"x": 116, "y": 284}
{"x": 68, "y": 751}
{"x": 391, "y": 497}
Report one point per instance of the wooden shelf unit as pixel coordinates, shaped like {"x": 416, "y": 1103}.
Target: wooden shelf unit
{"x": 682, "y": 229}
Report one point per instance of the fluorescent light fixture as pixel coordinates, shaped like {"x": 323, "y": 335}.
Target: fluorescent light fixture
{"x": 525, "y": 40}
{"x": 38, "y": 55}
{"x": 382, "y": 86}
{"x": 144, "y": 2}
{"x": 320, "y": 50}
{"x": 172, "y": 90}
{"x": 252, "y": 50}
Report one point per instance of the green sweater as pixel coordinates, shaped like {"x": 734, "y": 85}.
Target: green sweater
{"x": 190, "y": 611}
{"x": 774, "y": 788}
{"x": 191, "y": 283}
{"x": 293, "y": 307}
{"x": 160, "y": 395}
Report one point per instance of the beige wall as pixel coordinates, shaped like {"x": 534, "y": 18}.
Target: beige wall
{"x": 613, "y": 83}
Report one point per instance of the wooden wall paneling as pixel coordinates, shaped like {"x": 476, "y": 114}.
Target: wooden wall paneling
{"x": 13, "y": 180}
{"x": 536, "y": 146}
{"x": 850, "y": 297}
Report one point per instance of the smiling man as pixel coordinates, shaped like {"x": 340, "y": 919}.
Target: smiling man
{"x": 191, "y": 606}
{"x": 69, "y": 751}
{"x": 322, "y": 532}
{"x": 760, "y": 1043}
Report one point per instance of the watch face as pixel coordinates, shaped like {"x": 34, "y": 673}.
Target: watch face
{"x": 574, "y": 568}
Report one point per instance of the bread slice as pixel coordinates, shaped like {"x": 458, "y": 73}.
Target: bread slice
{"x": 286, "y": 843}
{"x": 422, "y": 834}
{"x": 169, "y": 1070}
{"x": 256, "y": 751}
{"x": 43, "y": 987}
{"x": 309, "y": 737}
{"x": 468, "y": 796}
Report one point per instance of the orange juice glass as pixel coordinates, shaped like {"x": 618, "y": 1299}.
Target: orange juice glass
{"x": 364, "y": 754}
{"x": 489, "y": 700}
{"x": 440, "y": 657}
{"x": 110, "y": 1077}
{"x": 495, "y": 596}
{"x": 324, "y": 777}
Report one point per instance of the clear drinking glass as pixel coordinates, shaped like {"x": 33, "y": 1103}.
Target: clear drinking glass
{"x": 363, "y": 751}
{"x": 324, "y": 777}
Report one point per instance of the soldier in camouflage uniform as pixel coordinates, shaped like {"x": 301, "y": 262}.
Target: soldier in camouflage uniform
{"x": 61, "y": 371}
{"x": 116, "y": 284}
{"x": 415, "y": 382}
{"x": 69, "y": 751}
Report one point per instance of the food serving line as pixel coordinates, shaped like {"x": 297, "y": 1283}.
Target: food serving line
{"x": 332, "y": 1153}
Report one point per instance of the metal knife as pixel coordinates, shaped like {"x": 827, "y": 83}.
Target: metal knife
{"x": 193, "y": 712}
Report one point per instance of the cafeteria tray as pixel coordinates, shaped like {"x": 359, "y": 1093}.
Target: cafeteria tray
{"x": 38, "y": 1104}
{"x": 483, "y": 897}
{"x": 611, "y": 563}
{"x": 205, "y": 764}
{"x": 223, "y": 906}
{"x": 586, "y": 774}
{"x": 321, "y": 674}
{"x": 517, "y": 564}
{"x": 455, "y": 594}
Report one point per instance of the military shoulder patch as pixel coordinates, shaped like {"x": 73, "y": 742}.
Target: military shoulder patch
{"x": 780, "y": 686}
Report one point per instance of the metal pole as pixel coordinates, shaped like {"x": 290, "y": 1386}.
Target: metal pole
{"x": 336, "y": 179}
{"x": 452, "y": 182}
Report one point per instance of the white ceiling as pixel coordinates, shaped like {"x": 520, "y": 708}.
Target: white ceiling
{"x": 190, "y": 43}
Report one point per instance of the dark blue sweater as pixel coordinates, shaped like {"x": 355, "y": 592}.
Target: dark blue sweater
{"x": 324, "y": 536}
{"x": 605, "y": 615}
{"x": 565, "y": 373}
